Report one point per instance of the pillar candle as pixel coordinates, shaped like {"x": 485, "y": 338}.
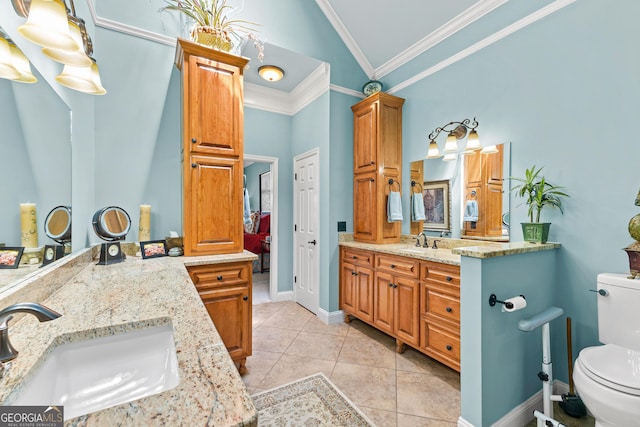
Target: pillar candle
{"x": 28, "y": 225}
{"x": 144, "y": 230}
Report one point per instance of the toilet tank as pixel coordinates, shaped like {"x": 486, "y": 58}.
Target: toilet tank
{"x": 618, "y": 318}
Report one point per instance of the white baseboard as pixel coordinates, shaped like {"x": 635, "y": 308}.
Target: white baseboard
{"x": 283, "y": 296}
{"x": 330, "y": 318}
{"x": 464, "y": 423}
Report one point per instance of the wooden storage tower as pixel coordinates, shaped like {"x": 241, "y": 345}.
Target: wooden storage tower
{"x": 377, "y": 158}
{"x": 212, "y": 133}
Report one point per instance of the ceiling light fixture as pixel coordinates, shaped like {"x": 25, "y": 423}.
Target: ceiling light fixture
{"x": 271, "y": 73}
{"x": 457, "y": 131}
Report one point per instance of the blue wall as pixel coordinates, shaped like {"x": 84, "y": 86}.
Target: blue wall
{"x": 252, "y": 173}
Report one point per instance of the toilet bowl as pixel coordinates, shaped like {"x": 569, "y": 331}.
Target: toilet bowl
{"x": 608, "y": 381}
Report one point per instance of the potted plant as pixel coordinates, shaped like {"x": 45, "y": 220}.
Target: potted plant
{"x": 213, "y": 27}
{"x": 538, "y": 193}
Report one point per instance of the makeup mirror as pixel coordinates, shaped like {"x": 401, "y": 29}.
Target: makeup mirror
{"x": 111, "y": 224}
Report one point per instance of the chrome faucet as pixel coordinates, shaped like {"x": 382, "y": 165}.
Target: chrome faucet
{"x": 424, "y": 244}
{"x": 44, "y": 314}
{"x": 435, "y": 246}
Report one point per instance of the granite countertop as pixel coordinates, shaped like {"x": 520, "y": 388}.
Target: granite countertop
{"x": 106, "y": 300}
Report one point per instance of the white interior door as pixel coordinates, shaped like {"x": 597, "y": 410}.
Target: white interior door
{"x": 306, "y": 221}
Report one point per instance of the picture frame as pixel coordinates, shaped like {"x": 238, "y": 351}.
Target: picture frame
{"x": 153, "y": 249}
{"x": 10, "y": 256}
{"x": 437, "y": 205}
{"x": 265, "y": 192}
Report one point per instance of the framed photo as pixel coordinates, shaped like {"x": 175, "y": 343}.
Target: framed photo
{"x": 153, "y": 248}
{"x": 265, "y": 192}
{"x": 437, "y": 205}
{"x": 10, "y": 256}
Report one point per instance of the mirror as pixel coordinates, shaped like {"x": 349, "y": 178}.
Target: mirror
{"x": 462, "y": 195}
{"x": 111, "y": 223}
{"x": 35, "y": 133}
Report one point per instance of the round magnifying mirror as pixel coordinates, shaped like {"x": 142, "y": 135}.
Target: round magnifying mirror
{"x": 111, "y": 223}
{"x": 57, "y": 225}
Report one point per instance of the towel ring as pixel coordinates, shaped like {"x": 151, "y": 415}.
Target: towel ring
{"x": 473, "y": 194}
{"x": 414, "y": 183}
{"x": 391, "y": 181}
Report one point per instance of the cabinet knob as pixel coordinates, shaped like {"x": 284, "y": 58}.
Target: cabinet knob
{"x": 219, "y": 277}
{"x": 449, "y": 309}
{"x": 372, "y": 180}
{"x": 449, "y": 278}
{"x": 245, "y": 298}
{"x": 193, "y": 165}
{"x": 355, "y": 257}
{"x": 372, "y": 163}
{"x": 393, "y": 266}
{"x": 193, "y": 140}
{"x": 449, "y": 348}
{"x": 391, "y": 285}
{"x": 355, "y": 273}
{"x": 395, "y": 286}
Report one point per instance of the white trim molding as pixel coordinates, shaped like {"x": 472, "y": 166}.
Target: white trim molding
{"x": 330, "y": 318}
{"x": 464, "y": 423}
{"x": 283, "y": 296}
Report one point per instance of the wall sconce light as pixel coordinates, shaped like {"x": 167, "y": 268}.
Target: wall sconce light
{"x": 457, "y": 131}
{"x": 271, "y": 73}
{"x": 64, "y": 38}
{"x": 13, "y": 64}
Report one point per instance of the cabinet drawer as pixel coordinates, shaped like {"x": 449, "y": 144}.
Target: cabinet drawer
{"x": 441, "y": 273}
{"x": 207, "y": 276}
{"x": 441, "y": 343}
{"x": 358, "y": 257}
{"x": 440, "y": 304}
{"x": 398, "y": 265}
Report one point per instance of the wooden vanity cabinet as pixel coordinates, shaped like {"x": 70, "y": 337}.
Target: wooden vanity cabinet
{"x": 212, "y": 133}
{"x": 225, "y": 290}
{"x": 377, "y": 138}
{"x": 356, "y": 284}
{"x": 440, "y": 312}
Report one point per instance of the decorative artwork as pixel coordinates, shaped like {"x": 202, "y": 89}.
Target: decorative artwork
{"x": 153, "y": 249}
{"x": 265, "y": 192}
{"x": 10, "y": 256}
{"x": 436, "y": 205}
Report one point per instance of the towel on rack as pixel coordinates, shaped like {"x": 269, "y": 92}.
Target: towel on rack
{"x": 247, "y": 207}
{"x": 394, "y": 207}
{"x": 417, "y": 207}
{"x": 471, "y": 211}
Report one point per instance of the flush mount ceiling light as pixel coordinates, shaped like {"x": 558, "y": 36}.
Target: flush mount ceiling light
{"x": 457, "y": 131}
{"x": 271, "y": 73}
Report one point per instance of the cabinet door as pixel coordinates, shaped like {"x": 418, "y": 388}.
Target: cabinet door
{"x": 493, "y": 194}
{"x": 365, "y": 138}
{"x": 407, "y": 310}
{"x": 364, "y": 200}
{"x": 364, "y": 293}
{"x": 214, "y": 101}
{"x": 212, "y": 206}
{"x": 348, "y": 295}
{"x": 230, "y": 311}
{"x": 383, "y": 302}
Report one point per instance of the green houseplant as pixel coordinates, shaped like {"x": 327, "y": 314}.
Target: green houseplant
{"x": 537, "y": 193}
{"x": 212, "y": 25}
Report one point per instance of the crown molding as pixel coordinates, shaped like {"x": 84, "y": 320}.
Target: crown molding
{"x": 346, "y": 91}
{"x": 128, "y": 29}
{"x": 487, "y": 41}
{"x": 346, "y": 37}
{"x": 315, "y": 85}
{"x": 472, "y": 14}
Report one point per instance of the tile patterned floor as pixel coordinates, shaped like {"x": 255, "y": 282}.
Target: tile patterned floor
{"x": 392, "y": 389}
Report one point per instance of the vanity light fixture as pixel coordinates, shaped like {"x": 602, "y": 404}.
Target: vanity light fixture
{"x": 271, "y": 73}
{"x": 7, "y": 68}
{"x": 13, "y": 64}
{"x": 457, "y": 131}
{"x": 46, "y": 24}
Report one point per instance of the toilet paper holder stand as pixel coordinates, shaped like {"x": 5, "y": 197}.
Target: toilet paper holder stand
{"x": 493, "y": 299}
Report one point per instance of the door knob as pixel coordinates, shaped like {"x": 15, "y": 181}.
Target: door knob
{"x": 313, "y": 242}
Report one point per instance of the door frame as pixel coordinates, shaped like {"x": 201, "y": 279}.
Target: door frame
{"x": 313, "y": 152}
{"x": 273, "y": 253}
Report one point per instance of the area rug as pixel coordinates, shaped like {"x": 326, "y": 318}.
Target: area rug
{"x": 311, "y": 401}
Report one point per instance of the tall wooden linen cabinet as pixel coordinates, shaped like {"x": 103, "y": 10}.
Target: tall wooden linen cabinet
{"x": 212, "y": 133}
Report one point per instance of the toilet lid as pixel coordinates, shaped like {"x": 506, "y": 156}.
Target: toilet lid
{"x": 613, "y": 366}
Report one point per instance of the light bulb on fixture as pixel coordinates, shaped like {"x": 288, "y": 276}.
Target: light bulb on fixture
{"x": 449, "y": 157}
{"x": 82, "y": 79}
{"x": 433, "y": 152}
{"x": 451, "y": 145}
{"x": 489, "y": 149}
{"x": 78, "y": 57}
{"x": 47, "y": 25}
{"x": 7, "y": 66}
{"x": 22, "y": 65}
{"x": 473, "y": 141}
{"x": 271, "y": 73}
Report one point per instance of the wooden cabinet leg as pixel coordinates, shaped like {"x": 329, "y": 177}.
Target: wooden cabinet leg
{"x": 242, "y": 366}
{"x": 399, "y": 346}
{"x": 347, "y": 318}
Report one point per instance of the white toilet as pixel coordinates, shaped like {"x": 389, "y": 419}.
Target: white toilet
{"x": 607, "y": 377}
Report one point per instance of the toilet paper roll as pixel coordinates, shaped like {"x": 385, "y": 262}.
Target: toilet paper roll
{"x": 514, "y": 304}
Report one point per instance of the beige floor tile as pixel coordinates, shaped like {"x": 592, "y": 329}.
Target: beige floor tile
{"x": 259, "y": 316}
{"x": 443, "y": 402}
{"x": 367, "y": 386}
{"x": 257, "y": 390}
{"x": 291, "y": 368}
{"x": 258, "y": 366}
{"x": 360, "y": 329}
{"x": 317, "y": 346}
{"x": 289, "y": 317}
{"x": 318, "y": 326}
{"x": 379, "y": 417}
{"x": 365, "y": 351}
{"x": 414, "y": 361}
{"x": 405, "y": 420}
{"x": 272, "y": 339}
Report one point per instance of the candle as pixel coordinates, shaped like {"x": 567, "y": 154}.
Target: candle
{"x": 144, "y": 230}
{"x": 28, "y": 225}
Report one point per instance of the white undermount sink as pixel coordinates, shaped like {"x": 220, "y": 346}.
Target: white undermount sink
{"x": 99, "y": 373}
